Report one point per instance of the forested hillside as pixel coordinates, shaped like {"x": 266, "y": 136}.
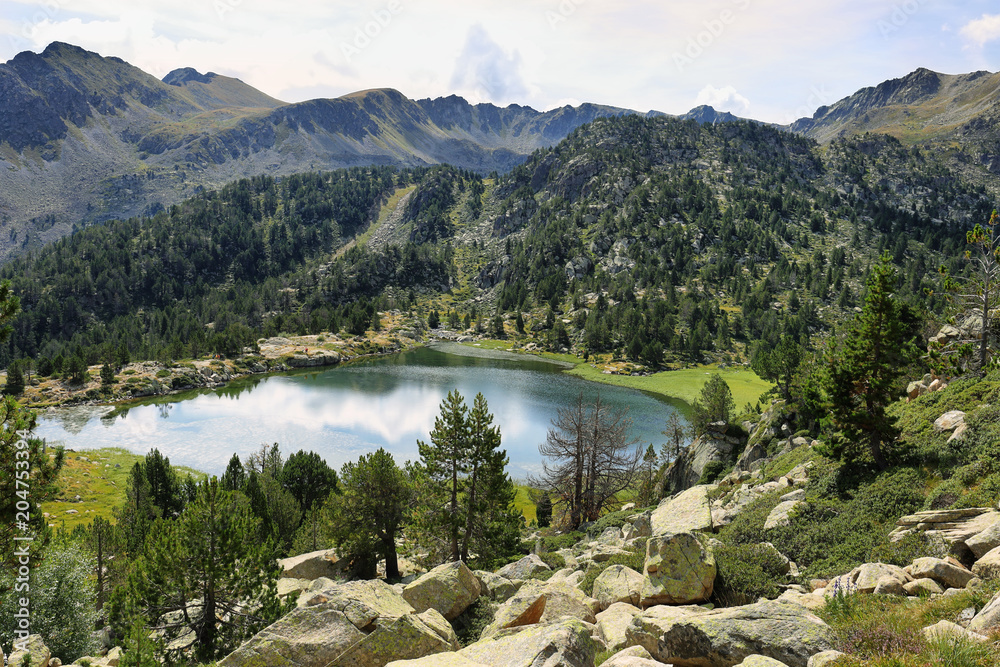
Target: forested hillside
{"x": 660, "y": 240}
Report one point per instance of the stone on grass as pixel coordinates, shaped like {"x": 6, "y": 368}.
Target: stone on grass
{"x": 988, "y": 567}
{"x": 942, "y": 571}
{"x": 982, "y": 543}
{"x": 866, "y": 577}
{"x": 825, "y": 659}
{"x": 949, "y": 421}
{"x": 925, "y": 586}
{"x": 450, "y": 588}
{"x": 889, "y": 585}
{"x": 781, "y": 515}
{"x": 988, "y": 619}
{"x": 946, "y": 630}
{"x": 723, "y": 637}
{"x": 678, "y": 570}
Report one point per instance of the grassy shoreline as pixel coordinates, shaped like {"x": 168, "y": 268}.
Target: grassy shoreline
{"x": 683, "y": 385}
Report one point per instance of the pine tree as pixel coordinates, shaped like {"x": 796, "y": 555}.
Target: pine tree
{"x": 864, "y": 371}
{"x": 107, "y": 374}
{"x": 543, "y": 510}
{"x": 714, "y": 404}
{"x": 368, "y": 511}
{"x": 445, "y": 461}
{"x": 209, "y": 554}
{"x": 15, "y": 380}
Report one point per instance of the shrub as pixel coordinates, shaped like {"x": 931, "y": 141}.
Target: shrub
{"x": 554, "y": 560}
{"x": 746, "y": 572}
{"x": 162, "y": 373}
{"x": 469, "y": 625}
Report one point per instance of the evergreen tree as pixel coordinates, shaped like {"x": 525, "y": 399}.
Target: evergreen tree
{"x": 235, "y": 476}
{"x": 433, "y": 319}
{"x": 308, "y": 478}
{"x": 135, "y": 516}
{"x": 778, "y": 364}
{"x": 367, "y": 512}
{"x": 107, "y": 375}
{"x": 714, "y": 403}
{"x": 543, "y": 510}
{"x": 445, "y": 461}
{"x": 15, "y": 380}
{"x": 210, "y": 554}
{"x": 865, "y": 369}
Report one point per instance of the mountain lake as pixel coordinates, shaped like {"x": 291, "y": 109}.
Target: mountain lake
{"x": 345, "y": 411}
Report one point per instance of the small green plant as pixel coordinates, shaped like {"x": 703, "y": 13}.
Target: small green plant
{"x": 162, "y": 373}
{"x": 469, "y": 625}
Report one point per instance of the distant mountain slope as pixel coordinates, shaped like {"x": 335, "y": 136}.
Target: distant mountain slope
{"x": 86, "y": 138}
{"x": 959, "y": 114}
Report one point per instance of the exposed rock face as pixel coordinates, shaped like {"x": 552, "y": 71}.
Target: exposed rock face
{"x": 618, "y": 583}
{"x": 689, "y": 511}
{"x": 361, "y": 624}
{"x": 987, "y": 540}
{"x": 449, "y": 588}
{"x": 724, "y": 637}
{"x": 712, "y": 446}
{"x": 678, "y": 570}
{"x": 524, "y": 608}
{"x": 566, "y": 644}
{"x": 524, "y": 568}
{"x": 312, "y": 565}
{"x": 952, "y": 527}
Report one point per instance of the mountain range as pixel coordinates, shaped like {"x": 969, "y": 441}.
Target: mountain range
{"x": 86, "y": 138}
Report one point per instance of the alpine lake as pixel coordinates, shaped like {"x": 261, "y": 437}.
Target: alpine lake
{"x": 345, "y": 411}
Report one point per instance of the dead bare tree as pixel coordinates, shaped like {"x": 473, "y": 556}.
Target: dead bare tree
{"x": 588, "y": 458}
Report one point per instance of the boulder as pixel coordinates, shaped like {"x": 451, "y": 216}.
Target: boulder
{"x": 923, "y": 587}
{"x": 711, "y": 446}
{"x": 566, "y": 644}
{"x": 810, "y": 601}
{"x": 889, "y": 585}
{"x": 290, "y": 586}
{"x": 523, "y": 608}
{"x": 825, "y": 659}
{"x": 781, "y": 515}
{"x": 496, "y": 587}
{"x": 948, "y": 630}
{"x": 866, "y": 577}
{"x": 953, "y": 527}
{"x": 360, "y": 623}
{"x": 988, "y": 567}
{"x": 988, "y": 619}
{"x": 949, "y": 421}
{"x": 524, "y": 568}
{"x": 678, "y": 570}
{"x": 761, "y": 661}
{"x": 34, "y": 647}
{"x": 613, "y": 622}
{"x": 438, "y": 660}
{"x": 312, "y": 565}
{"x": 689, "y": 511}
{"x": 634, "y": 656}
{"x": 724, "y": 637}
{"x": 618, "y": 583}
{"x": 942, "y": 571}
{"x": 450, "y": 588}
{"x": 987, "y": 540}
{"x": 113, "y": 658}
{"x": 640, "y": 527}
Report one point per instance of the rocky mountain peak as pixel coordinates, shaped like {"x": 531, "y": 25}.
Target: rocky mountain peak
{"x": 182, "y": 75}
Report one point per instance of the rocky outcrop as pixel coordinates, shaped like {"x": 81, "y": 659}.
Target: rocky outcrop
{"x": 499, "y": 589}
{"x": 689, "y": 511}
{"x": 678, "y": 570}
{"x": 941, "y": 571}
{"x": 449, "y": 588}
{"x": 985, "y": 541}
{"x": 725, "y": 637}
{"x": 950, "y": 527}
{"x": 713, "y": 446}
{"x": 782, "y": 514}
{"x": 988, "y": 567}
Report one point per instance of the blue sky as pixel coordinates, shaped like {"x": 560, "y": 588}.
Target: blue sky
{"x": 773, "y": 60}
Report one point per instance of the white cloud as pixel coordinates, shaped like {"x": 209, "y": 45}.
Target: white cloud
{"x": 982, "y": 30}
{"x": 486, "y": 71}
{"x": 723, "y": 99}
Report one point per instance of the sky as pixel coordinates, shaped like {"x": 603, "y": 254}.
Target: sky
{"x": 772, "y": 60}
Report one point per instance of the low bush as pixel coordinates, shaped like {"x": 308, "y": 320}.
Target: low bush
{"x": 469, "y": 625}
{"x": 746, "y": 572}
